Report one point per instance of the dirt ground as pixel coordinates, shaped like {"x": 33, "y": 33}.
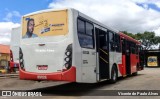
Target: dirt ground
{"x": 148, "y": 79}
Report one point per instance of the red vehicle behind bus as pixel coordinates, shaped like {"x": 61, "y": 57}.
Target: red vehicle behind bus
{"x": 13, "y": 66}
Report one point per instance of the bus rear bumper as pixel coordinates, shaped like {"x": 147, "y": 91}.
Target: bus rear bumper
{"x": 68, "y": 75}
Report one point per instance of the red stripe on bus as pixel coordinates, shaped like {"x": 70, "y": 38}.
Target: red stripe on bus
{"x": 68, "y": 75}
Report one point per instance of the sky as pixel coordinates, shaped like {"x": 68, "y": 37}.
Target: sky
{"x": 124, "y": 15}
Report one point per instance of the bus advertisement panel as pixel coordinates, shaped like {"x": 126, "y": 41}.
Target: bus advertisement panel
{"x": 45, "y": 24}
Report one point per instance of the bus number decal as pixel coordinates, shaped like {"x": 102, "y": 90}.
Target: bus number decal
{"x": 85, "y": 62}
{"x": 41, "y": 77}
{"x": 85, "y": 52}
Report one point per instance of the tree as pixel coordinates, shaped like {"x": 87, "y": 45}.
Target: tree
{"x": 138, "y": 36}
{"x": 129, "y": 34}
{"x": 148, "y": 39}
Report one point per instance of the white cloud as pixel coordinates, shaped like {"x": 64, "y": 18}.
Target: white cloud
{"x": 157, "y": 31}
{"x": 5, "y": 31}
{"x": 146, "y": 6}
{"x": 10, "y": 15}
{"x": 119, "y": 14}
{"x": 16, "y": 13}
{"x": 5, "y": 41}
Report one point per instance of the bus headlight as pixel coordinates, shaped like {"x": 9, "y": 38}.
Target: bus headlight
{"x": 21, "y": 61}
{"x": 68, "y": 57}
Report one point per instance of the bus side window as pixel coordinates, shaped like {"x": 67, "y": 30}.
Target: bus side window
{"x": 81, "y": 26}
{"x": 137, "y": 49}
{"x": 133, "y": 48}
{"x": 85, "y": 34}
{"x": 106, "y": 37}
{"x": 106, "y": 41}
{"x": 89, "y": 29}
{"x": 103, "y": 38}
{"x": 111, "y": 41}
{"x": 117, "y": 43}
{"x": 123, "y": 45}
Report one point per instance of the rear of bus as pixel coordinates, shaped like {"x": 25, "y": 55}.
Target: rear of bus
{"x": 46, "y": 46}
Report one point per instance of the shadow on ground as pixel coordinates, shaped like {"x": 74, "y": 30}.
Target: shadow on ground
{"x": 80, "y": 89}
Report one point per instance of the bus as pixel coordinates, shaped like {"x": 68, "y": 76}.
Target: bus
{"x": 67, "y": 45}
{"x": 152, "y": 58}
{"x": 152, "y": 61}
{"x": 131, "y": 55}
{"x": 14, "y": 49}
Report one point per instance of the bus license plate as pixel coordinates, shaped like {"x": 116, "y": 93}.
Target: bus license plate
{"x": 42, "y": 67}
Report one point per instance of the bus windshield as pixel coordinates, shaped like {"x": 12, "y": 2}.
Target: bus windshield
{"x": 53, "y": 23}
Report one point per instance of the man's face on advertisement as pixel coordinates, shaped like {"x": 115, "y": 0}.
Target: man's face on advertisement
{"x": 31, "y": 26}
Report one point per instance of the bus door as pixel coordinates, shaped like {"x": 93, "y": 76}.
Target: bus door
{"x": 128, "y": 51}
{"x": 133, "y": 57}
{"x": 124, "y": 56}
{"x": 141, "y": 57}
{"x": 102, "y": 49}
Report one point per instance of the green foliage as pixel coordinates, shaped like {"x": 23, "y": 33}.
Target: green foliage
{"x": 147, "y": 38}
{"x": 129, "y": 34}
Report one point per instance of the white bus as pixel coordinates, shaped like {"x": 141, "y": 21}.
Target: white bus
{"x": 14, "y": 48}
{"x": 66, "y": 45}
{"x": 15, "y": 43}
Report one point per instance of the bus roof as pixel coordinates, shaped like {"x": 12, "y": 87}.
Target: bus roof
{"x": 47, "y": 10}
{"x": 129, "y": 38}
{"x": 86, "y": 16}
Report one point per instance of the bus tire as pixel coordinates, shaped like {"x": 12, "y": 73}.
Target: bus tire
{"x": 135, "y": 74}
{"x": 15, "y": 69}
{"x": 114, "y": 75}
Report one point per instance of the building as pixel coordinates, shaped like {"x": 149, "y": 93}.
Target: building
{"x": 4, "y": 55}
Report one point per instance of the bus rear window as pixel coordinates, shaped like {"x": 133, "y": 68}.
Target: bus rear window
{"x": 51, "y": 23}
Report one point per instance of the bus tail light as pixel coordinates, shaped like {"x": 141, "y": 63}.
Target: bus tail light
{"x": 21, "y": 61}
{"x": 68, "y": 57}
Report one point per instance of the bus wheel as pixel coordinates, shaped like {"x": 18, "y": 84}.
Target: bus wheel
{"x": 135, "y": 74}
{"x": 113, "y": 75}
{"x": 15, "y": 70}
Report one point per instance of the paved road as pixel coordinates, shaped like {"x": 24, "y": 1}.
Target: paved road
{"x": 148, "y": 79}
